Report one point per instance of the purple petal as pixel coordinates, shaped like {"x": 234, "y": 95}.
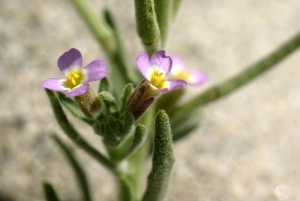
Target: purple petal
{"x": 143, "y": 65}
{"x": 81, "y": 89}
{"x": 172, "y": 85}
{"x": 96, "y": 70}
{"x": 69, "y": 59}
{"x": 177, "y": 63}
{"x": 54, "y": 84}
{"x": 161, "y": 61}
{"x": 197, "y": 78}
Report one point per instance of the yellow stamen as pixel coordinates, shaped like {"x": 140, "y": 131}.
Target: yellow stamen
{"x": 74, "y": 79}
{"x": 157, "y": 80}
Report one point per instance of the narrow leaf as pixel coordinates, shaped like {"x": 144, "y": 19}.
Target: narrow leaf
{"x": 73, "y": 108}
{"x": 78, "y": 170}
{"x": 162, "y": 162}
{"x": 73, "y": 134}
{"x": 49, "y": 192}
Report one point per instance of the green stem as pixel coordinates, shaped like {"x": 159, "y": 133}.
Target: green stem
{"x": 100, "y": 30}
{"x": 73, "y": 134}
{"x": 164, "y": 11}
{"x": 138, "y": 159}
{"x": 147, "y": 26}
{"x": 106, "y": 37}
{"x": 78, "y": 170}
{"x": 234, "y": 83}
{"x": 176, "y": 6}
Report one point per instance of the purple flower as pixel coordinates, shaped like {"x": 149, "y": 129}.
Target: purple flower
{"x": 179, "y": 71}
{"x": 156, "y": 69}
{"x": 77, "y": 78}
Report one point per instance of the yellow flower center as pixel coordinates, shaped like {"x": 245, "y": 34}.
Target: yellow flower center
{"x": 157, "y": 80}
{"x": 183, "y": 75}
{"x": 74, "y": 79}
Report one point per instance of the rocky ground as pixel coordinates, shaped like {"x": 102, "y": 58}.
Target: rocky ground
{"x": 248, "y": 143}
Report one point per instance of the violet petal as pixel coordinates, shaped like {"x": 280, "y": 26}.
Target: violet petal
{"x": 161, "y": 61}
{"x": 79, "y": 90}
{"x": 197, "y": 78}
{"x": 143, "y": 65}
{"x": 54, "y": 84}
{"x": 96, "y": 70}
{"x": 177, "y": 63}
{"x": 172, "y": 85}
{"x": 69, "y": 59}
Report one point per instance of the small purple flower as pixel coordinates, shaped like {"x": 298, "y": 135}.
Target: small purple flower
{"x": 77, "y": 78}
{"x": 156, "y": 69}
{"x": 179, "y": 71}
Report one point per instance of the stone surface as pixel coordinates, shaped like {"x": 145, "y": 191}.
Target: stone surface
{"x": 248, "y": 143}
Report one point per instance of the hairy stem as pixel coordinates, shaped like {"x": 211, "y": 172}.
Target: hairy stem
{"x": 234, "y": 83}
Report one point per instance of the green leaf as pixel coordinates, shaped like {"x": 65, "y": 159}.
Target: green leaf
{"x": 164, "y": 11}
{"x": 73, "y": 108}
{"x": 73, "y": 134}
{"x": 162, "y": 161}
{"x": 109, "y": 102}
{"x": 128, "y": 123}
{"x": 78, "y": 170}
{"x": 147, "y": 26}
{"x": 139, "y": 138}
{"x": 103, "y": 85}
{"x": 50, "y": 192}
{"x": 126, "y": 192}
{"x": 128, "y": 90}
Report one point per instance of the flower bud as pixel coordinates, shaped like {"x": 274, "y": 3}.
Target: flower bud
{"x": 89, "y": 103}
{"x": 141, "y": 99}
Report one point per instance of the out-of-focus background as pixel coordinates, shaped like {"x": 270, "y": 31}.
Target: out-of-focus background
{"x": 248, "y": 143}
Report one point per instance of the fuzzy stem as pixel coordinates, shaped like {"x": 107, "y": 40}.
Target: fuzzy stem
{"x": 234, "y": 83}
{"x": 164, "y": 10}
{"x": 163, "y": 160}
{"x": 77, "y": 167}
{"x": 106, "y": 37}
{"x": 73, "y": 134}
{"x": 176, "y": 6}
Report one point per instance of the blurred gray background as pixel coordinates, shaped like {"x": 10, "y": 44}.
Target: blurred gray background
{"x": 248, "y": 143}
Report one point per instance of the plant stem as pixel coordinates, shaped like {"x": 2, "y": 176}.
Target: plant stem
{"x": 73, "y": 134}
{"x": 107, "y": 38}
{"x": 164, "y": 11}
{"x": 216, "y": 92}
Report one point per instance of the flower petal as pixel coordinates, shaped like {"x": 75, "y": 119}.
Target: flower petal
{"x": 177, "y": 64}
{"x": 197, "y": 78}
{"x": 161, "y": 61}
{"x": 96, "y": 70}
{"x": 54, "y": 84}
{"x": 79, "y": 90}
{"x": 143, "y": 65}
{"x": 172, "y": 85}
{"x": 69, "y": 59}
